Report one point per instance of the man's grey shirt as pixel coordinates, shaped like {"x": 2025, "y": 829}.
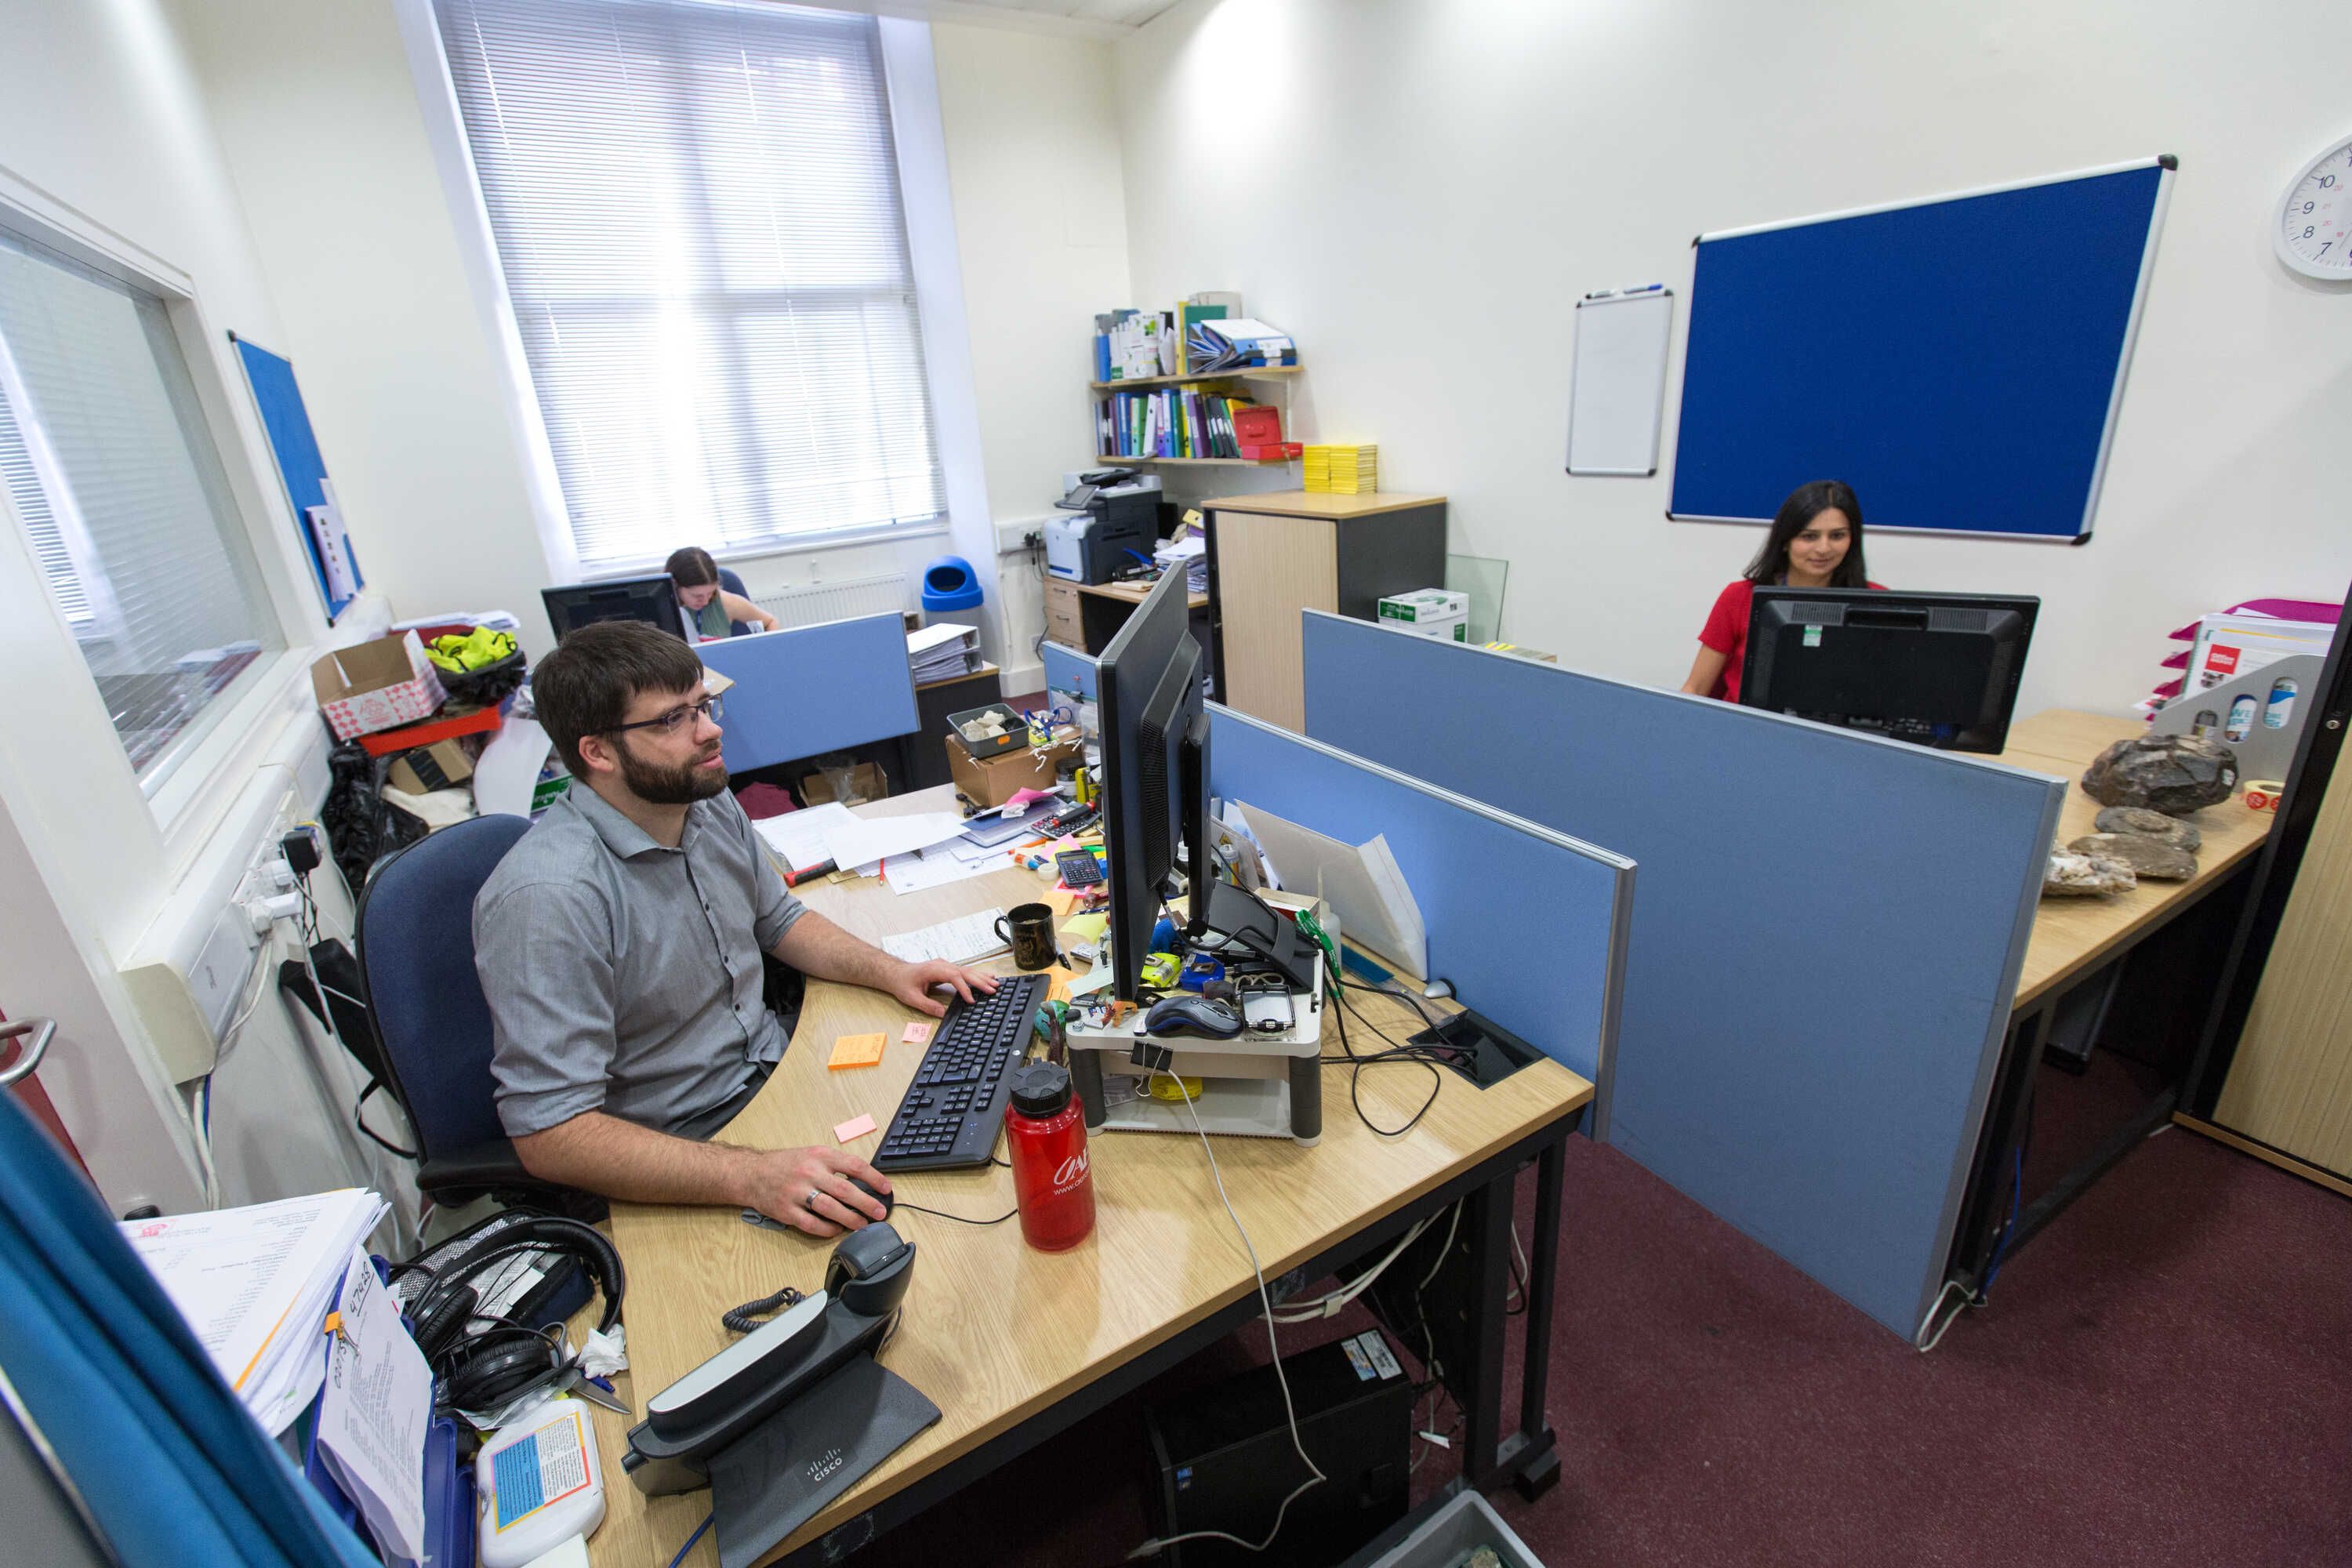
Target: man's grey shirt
{"x": 623, "y": 975}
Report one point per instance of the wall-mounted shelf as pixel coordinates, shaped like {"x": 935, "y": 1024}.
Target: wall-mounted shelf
{"x": 1108, "y": 459}
{"x": 1245, "y": 372}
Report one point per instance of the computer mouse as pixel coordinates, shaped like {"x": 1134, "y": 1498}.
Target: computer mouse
{"x": 885, "y": 1199}
{"x": 1193, "y": 1016}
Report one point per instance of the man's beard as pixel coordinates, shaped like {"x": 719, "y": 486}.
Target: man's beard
{"x": 657, "y": 786}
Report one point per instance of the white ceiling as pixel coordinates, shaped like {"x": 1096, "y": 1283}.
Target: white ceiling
{"x": 1119, "y": 13}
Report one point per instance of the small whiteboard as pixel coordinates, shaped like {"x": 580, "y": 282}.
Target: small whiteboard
{"x": 1617, "y": 390}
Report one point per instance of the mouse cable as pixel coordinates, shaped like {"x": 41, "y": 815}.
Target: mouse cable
{"x": 1315, "y": 1475}
{"x": 959, "y": 1219}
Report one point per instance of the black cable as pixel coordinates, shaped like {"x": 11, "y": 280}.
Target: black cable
{"x": 1356, "y": 1066}
{"x": 740, "y": 1320}
{"x": 959, "y": 1219}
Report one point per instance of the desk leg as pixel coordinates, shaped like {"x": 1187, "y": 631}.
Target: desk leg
{"x": 1539, "y": 1462}
{"x": 1527, "y": 1458}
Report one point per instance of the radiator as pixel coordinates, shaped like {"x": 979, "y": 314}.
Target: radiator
{"x": 804, "y": 605}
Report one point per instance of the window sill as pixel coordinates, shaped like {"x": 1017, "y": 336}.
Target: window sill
{"x": 805, "y": 544}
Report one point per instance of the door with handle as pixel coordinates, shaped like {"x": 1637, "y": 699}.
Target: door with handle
{"x": 23, "y": 1044}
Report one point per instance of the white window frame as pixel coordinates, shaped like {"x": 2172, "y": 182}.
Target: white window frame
{"x": 193, "y": 781}
{"x": 911, "y": 80}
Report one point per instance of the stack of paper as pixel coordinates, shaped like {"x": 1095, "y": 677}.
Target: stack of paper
{"x": 372, "y": 1420}
{"x": 1362, "y": 882}
{"x": 1190, "y": 551}
{"x": 959, "y": 941}
{"x": 255, "y": 1284}
{"x": 944, "y": 652}
{"x": 798, "y": 837}
{"x": 860, "y": 842}
{"x": 1342, "y": 470}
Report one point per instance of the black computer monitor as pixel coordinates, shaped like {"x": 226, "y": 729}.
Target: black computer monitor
{"x": 1155, "y": 742}
{"x": 1940, "y": 669}
{"x": 1155, "y": 769}
{"x": 651, "y": 599}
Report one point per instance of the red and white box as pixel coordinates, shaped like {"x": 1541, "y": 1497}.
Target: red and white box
{"x": 377, "y": 685}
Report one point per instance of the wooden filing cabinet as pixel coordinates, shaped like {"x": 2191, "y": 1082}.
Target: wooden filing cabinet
{"x": 1066, "y": 621}
{"x": 1272, "y": 556}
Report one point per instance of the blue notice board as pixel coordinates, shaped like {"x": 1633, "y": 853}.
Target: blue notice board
{"x": 288, "y": 425}
{"x": 1959, "y": 362}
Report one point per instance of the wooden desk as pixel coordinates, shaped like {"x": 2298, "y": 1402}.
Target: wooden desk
{"x": 2072, "y": 936}
{"x": 1011, "y": 1343}
{"x": 2162, "y": 945}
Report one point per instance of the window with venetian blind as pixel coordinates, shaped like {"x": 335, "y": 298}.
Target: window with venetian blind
{"x": 696, "y": 210}
{"x": 107, "y": 463}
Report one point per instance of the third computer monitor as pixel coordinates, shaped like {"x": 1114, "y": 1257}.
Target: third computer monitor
{"x": 1940, "y": 669}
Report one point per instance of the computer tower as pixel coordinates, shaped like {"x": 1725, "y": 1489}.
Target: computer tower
{"x": 1224, "y": 1459}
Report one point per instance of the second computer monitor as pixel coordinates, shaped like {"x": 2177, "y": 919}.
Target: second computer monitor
{"x": 1148, "y": 683}
{"x": 651, "y": 599}
{"x": 1940, "y": 669}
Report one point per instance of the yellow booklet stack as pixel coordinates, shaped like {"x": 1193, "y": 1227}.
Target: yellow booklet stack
{"x": 1342, "y": 470}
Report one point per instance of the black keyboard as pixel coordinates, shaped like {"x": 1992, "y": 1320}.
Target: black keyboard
{"x": 955, "y": 1108}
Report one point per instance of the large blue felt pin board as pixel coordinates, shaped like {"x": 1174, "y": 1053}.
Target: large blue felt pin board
{"x": 1528, "y": 923}
{"x": 288, "y": 425}
{"x": 1826, "y": 947}
{"x": 1959, "y": 362}
{"x": 806, "y": 689}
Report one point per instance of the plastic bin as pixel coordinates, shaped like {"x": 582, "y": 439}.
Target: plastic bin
{"x": 1446, "y": 1537}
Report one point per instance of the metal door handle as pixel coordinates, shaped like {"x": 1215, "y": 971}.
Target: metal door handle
{"x": 42, "y": 1030}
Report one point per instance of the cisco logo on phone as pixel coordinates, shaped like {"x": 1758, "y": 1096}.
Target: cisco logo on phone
{"x": 825, "y": 1464}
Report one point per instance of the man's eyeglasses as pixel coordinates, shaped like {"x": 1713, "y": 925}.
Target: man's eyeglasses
{"x": 669, "y": 722}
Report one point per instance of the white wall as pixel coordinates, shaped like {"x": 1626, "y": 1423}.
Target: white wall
{"x": 103, "y": 130}
{"x": 1385, "y": 163}
{"x": 1040, "y": 229}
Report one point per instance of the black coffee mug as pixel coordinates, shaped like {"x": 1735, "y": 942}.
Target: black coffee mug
{"x": 1030, "y": 935}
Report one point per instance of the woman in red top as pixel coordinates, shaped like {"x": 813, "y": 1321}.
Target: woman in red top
{"x": 1815, "y": 543}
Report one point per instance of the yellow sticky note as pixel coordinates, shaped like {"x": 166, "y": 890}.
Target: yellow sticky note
{"x": 1086, "y": 928}
{"x": 854, "y": 1051}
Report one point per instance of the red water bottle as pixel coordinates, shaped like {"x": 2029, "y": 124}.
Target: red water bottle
{"x": 1051, "y": 1185}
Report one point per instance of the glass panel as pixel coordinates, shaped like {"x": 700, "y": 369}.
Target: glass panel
{"x": 1482, "y": 577}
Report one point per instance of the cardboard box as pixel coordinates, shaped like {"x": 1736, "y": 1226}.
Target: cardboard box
{"x": 440, "y": 765}
{"x": 377, "y": 685}
{"x": 998, "y": 779}
{"x": 866, "y": 782}
{"x": 1430, "y": 612}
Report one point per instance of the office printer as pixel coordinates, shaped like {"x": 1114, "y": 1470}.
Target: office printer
{"x": 1110, "y": 512}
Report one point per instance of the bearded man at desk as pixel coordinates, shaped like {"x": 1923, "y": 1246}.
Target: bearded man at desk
{"x": 619, "y": 945}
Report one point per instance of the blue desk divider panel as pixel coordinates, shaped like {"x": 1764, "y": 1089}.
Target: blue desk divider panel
{"x": 1959, "y": 362}
{"x": 1528, "y": 923}
{"x": 807, "y": 689}
{"x": 1825, "y": 948}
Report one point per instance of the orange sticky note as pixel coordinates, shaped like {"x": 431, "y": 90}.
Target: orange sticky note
{"x": 854, "y": 1051}
{"x": 856, "y": 1126}
{"x": 917, "y": 1034}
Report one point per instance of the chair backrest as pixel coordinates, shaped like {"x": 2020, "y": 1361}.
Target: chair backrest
{"x": 416, "y": 928}
{"x": 734, "y": 584}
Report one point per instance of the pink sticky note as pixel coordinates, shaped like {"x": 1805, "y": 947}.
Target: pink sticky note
{"x": 918, "y": 1033}
{"x": 855, "y": 1128}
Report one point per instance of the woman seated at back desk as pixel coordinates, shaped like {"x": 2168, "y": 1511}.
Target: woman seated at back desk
{"x": 1815, "y": 543}
{"x": 711, "y": 610}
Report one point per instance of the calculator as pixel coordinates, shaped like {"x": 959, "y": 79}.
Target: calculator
{"x": 1079, "y": 868}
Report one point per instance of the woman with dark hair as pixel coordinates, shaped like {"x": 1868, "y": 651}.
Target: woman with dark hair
{"x": 711, "y": 609}
{"x": 1815, "y": 543}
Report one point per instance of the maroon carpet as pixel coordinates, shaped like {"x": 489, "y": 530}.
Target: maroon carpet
{"x": 2163, "y": 1377}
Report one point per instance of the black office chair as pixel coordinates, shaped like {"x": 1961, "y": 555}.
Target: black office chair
{"x": 734, "y": 584}
{"x": 416, "y": 938}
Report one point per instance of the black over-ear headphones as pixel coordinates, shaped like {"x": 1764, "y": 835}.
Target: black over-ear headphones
{"x": 481, "y": 1371}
